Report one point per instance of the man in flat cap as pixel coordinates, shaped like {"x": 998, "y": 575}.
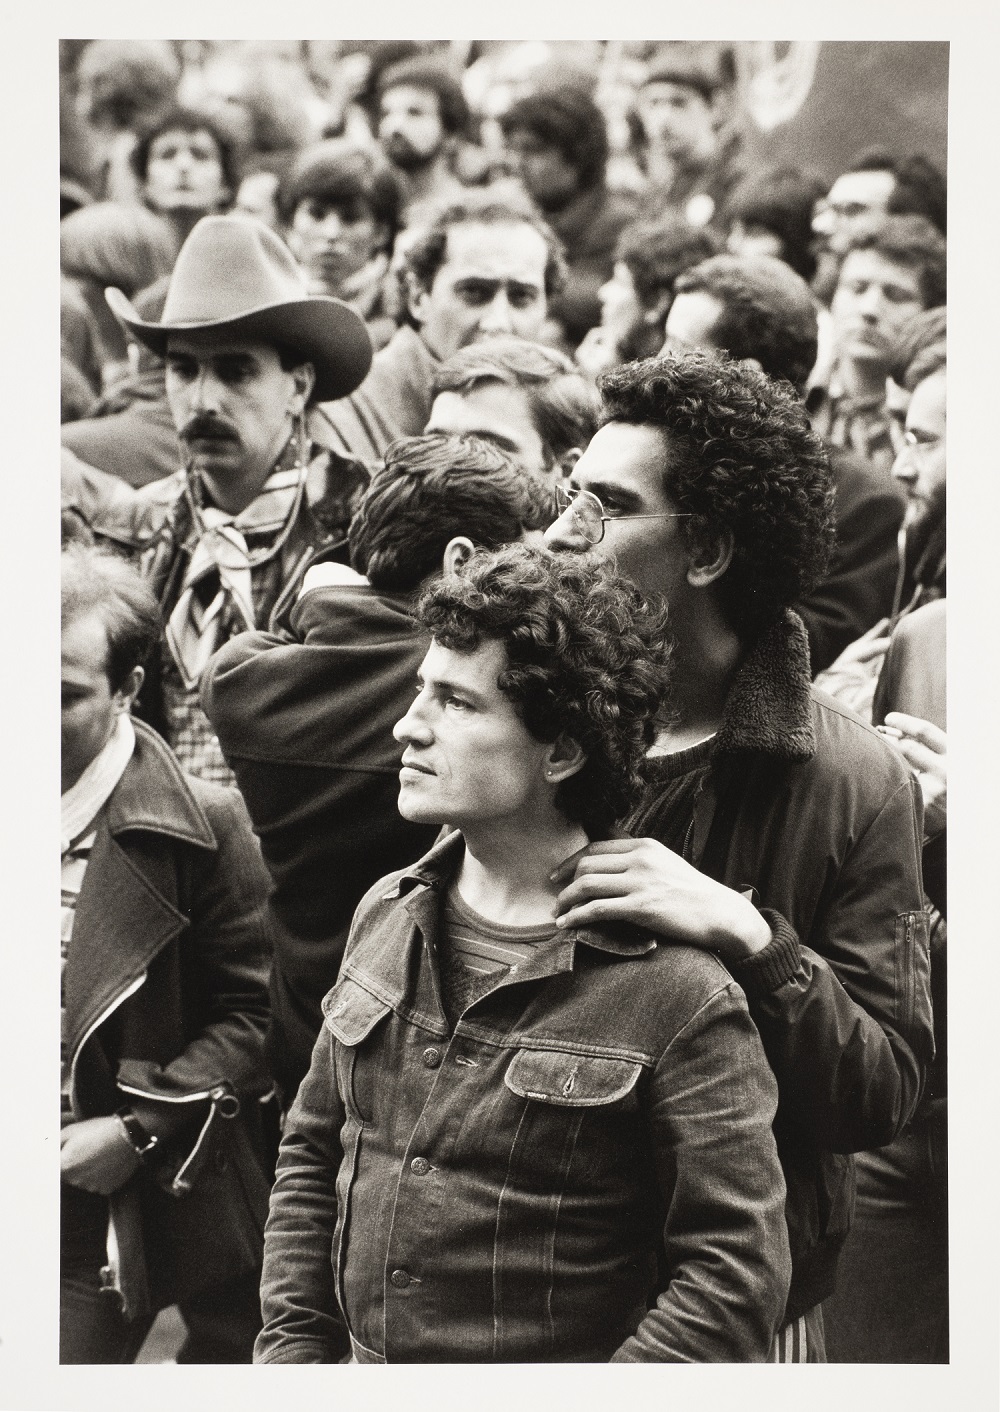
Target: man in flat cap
{"x": 225, "y": 541}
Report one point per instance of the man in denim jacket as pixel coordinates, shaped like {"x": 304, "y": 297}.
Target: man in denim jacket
{"x": 518, "y": 1143}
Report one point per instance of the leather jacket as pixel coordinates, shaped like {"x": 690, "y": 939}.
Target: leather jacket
{"x": 801, "y": 801}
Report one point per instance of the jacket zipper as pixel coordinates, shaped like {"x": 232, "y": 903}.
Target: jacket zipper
{"x": 108, "y": 1010}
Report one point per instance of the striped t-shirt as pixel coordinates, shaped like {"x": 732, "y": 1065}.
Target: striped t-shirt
{"x": 475, "y": 953}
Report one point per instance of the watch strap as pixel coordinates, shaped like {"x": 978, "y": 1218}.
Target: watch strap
{"x": 143, "y": 1142}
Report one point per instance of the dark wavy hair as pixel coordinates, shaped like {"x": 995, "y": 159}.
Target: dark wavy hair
{"x": 189, "y": 120}
{"x": 768, "y": 312}
{"x": 100, "y": 580}
{"x": 920, "y": 187}
{"x": 781, "y": 201}
{"x": 587, "y": 657}
{"x": 910, "y": 241}
{"x": 563, "y": 403}
{"x": 569, "y": 120}
{"x": 432, "y": 488}
{"x": 427, "y": 71}
{"x": 426, "y": 255}
{"x": 740, "y": 455}
{"x": 346, "y": 176}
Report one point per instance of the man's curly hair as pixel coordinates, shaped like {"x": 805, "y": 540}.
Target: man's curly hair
{"x": 740, "y": 456}
{"x": 586, "y": 658}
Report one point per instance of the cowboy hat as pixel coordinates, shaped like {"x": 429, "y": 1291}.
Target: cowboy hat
{"x": 235, "y": 276}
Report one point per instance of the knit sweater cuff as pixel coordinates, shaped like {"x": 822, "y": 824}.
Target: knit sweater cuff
{"x": 779, "y": 960}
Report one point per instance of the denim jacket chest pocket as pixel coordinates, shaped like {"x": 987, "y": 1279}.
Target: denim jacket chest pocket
{"x": 351, "y": 1015}
{"x": 571, "y": 1080}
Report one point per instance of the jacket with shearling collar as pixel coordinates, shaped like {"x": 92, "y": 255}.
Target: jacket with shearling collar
{"x": 800, "y": 800}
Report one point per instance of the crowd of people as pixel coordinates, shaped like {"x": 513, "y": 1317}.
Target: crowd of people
{"x": 504, "y": 756}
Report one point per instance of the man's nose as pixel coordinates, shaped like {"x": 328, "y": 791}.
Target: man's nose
{"x": 904, "y": 468}
{"x": 564, "y": 533}
{"x": 332, "y": 225}
{"x": 497, "y": 317}
{"x": 871, "y": 302}
{"x": 824, "y": 221}
{"x": 205, "y": 392}
{"x": 412, "y": 727}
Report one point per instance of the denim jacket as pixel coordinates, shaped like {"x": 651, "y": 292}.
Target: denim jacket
{"x": 583, "y": 1171}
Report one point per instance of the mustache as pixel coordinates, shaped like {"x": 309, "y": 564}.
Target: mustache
{"x": 201, "y": 426}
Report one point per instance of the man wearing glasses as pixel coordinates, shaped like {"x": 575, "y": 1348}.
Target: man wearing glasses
{"x": 706, "y": 485}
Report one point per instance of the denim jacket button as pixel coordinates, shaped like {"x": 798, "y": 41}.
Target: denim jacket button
{"x": 420, "y": 1166}
{"x": 399, "y": 1278}
{"x": 432, "y": 1058}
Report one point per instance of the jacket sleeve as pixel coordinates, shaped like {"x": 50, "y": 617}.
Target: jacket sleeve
{"x": 845, "y": 1014}
{"x": 857, "y": 590}
{"x": 225, "y": 961}
{"x": 713, "y": 1100}
{"x": 302, "y": 1321}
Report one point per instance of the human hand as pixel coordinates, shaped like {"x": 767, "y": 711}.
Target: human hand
{"x": 924, "y": 747}
{"x": 872, "y": 646}
{"x": 640, "y": 881}
{"x": 95, "y": 1155}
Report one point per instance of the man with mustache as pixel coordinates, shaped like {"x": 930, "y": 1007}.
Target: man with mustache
{"x": 486, "y": 266}
{"x": 892, "y": 268}
{"x": 225, "y": 541}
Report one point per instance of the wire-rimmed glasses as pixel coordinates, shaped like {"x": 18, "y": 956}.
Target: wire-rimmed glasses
{"x": 589, "y": 517}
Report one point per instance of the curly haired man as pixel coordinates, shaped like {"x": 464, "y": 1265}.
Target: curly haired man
{"x": 707, "y": 487}
{"x": 518, "y": 1143}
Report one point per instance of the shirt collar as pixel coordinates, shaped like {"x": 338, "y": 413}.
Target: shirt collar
{"x": 84, "y": 800}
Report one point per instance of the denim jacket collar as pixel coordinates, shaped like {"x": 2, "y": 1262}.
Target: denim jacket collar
{"x": 387, "y": 963}
{"x": 439, "y": 865}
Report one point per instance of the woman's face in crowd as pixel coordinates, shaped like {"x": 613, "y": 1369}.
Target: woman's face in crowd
{"x": 333, "y": 241}
{"x": 621, "y": 308}
{"x": 184, "y": 172}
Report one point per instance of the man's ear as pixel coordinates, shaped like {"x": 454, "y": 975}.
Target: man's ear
{"x": 568, "y": 460}
{"x": 709, "y": 556}
{"x": 129, "y": 689}
{"x": 565, "y": 757}
{"x": 456, "y": 552}
{"x": 304, "y": 377}
{"x": 416, "y": 297}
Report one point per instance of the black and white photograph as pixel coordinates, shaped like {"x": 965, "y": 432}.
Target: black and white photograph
{"x": 504, "y": 717}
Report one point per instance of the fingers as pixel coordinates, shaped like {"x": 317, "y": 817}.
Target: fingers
{"x": 591, "y": 885}
{"x": 926, "y": 732}
{"x": 588, "y": 914}
{"x": 567, "y": 867}
{"x": 867, "y": 651}
{"x": 919, "y": 757}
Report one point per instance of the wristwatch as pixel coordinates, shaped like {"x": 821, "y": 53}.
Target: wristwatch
{"x": 136, "y": 1135}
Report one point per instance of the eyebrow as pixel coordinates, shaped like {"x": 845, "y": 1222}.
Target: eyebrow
{"x": 484, "y": 282}
{"x": 442, "y": 684}
{"x": 610, "y": 490}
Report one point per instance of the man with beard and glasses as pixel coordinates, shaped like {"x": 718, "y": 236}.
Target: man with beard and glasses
{"x": 225, "y": 541}
{"x": 706, "y": 485}
{"x": 486, "y": 266}
{"x": 421, "y": 114}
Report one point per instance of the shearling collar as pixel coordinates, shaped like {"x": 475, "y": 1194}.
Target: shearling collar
{"x": 769, "y": 707}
